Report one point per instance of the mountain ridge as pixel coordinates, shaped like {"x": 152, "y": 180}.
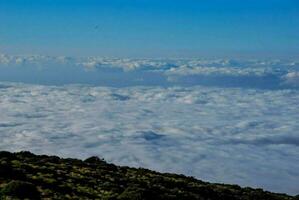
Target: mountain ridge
{"x": 26, "y": 175}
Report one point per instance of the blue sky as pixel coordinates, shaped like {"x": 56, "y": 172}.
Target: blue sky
{"x": 151, "y": 28}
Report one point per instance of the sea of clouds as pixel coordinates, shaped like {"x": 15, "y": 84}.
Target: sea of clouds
{"x": 228, "y": 121}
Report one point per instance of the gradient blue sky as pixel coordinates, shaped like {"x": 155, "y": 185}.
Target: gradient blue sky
{"x": 151, "y": 28}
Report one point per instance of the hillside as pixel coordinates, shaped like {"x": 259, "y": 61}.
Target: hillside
{"x": 25, "y": 175}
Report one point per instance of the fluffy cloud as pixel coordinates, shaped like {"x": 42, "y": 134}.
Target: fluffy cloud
{"x": 232, "y": 135}
{"x": 291, "y": 78}
{"x": 34, "y": 59}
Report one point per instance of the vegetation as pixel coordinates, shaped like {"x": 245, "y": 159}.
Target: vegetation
{"x": 27, "y": 176}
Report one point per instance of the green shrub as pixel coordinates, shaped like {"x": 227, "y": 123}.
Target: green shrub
{"x": 94, "y": 160}
{"x": 20, "y": 189}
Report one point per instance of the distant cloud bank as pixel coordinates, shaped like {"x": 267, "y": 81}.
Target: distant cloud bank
{"x": 262, "y": 74}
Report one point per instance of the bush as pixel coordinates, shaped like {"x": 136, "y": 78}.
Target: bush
{"x": 20, "y": 189}
{"x": 94, "y": 160}
{"x": 135, "y": 193}
{"x": 5, "y": 154}
{"x": 296, "y": 197}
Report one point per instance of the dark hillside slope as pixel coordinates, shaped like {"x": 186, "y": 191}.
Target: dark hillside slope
{"x": 25, "y": 175}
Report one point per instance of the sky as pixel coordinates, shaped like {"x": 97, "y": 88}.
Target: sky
{"x": 151, "y": 28}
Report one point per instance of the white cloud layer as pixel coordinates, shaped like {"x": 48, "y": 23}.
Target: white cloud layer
{"x": 232, "y": 135}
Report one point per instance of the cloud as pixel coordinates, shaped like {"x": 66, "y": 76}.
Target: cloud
{"x": 117, "y": 72}
{"x": 291, "y": 78}
{"x": 272, "y": 140}
{"x": 34, "y": 59}
{"x": 214, "y": 133}
{"x": 218, "y": 120}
